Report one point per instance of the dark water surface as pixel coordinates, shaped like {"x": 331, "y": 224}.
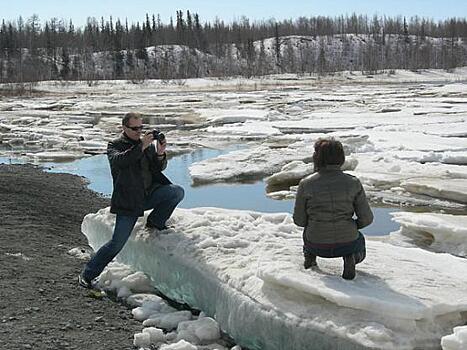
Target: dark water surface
{"x": 231, "y": 196}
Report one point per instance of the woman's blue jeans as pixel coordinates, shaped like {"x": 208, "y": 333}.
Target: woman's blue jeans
{"x": 163, "y": 200}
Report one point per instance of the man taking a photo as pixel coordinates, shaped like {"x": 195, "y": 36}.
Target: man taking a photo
{"x": 136, "y": 164}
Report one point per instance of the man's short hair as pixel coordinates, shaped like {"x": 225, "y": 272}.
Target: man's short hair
{"x": 328, "y": 152}
{"x": 130, "y": 115}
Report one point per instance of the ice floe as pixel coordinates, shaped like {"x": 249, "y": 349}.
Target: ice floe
{"x": 250, "y": 164}
{"x": 455, "y": 341}
{"x": 245, "y": 269}
{"x": 439, "y": 232}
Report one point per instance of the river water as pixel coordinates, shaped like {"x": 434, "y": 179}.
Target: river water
{"x": 249, "y": 196}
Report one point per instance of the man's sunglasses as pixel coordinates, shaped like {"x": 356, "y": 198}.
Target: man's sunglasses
{"x": 135, "y": 128}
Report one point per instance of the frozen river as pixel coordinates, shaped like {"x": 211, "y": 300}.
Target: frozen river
{"x": 245, "y": 144}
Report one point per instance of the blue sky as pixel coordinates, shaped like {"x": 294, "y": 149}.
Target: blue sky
{"x": 135, "y": 10}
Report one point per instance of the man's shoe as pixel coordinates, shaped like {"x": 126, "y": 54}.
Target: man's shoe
{"x": 151, "y": 225}
{"x": 310, "y": 261}
{"x": 349, "y": 267}
{"x": 164, "y": 229}
{"x": 83, "y": 282}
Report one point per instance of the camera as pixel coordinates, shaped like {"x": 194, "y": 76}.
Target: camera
{"x": 158, "y": 135}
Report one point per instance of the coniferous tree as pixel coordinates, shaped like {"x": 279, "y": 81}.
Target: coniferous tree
{"x": 250, "y": 57}
{"x": 289, "y": 57}
{"x": 189, "y": 29}
{"x": 406, "y": 32}
{"x": 322, "y": 68}
{"x": 261, "y": 67}
{"x": 200, "y": 40}
{"x": 76, "y": 68}
{"x": 277, "y": 47}
{"x": 65, "y": 70}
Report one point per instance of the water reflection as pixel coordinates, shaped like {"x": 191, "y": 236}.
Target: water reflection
{"x": 231, "y": 196}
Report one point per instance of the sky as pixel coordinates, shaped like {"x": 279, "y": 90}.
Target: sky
{"x": 208, "y": 10}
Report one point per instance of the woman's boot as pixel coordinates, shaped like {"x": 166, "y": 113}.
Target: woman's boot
{"x": 310, "y": 261}
{"x": 349, "y": 267}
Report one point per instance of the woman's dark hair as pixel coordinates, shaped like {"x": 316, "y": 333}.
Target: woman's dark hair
{"x": 328, "y": 152}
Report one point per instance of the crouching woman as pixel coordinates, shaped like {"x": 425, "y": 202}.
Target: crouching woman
{"x": 332, "y": 207}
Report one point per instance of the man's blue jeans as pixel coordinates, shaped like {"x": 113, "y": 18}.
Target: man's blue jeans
{"x": 163, "y": 200}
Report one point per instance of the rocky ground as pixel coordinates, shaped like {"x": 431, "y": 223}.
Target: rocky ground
{"x": 41, "y": 305}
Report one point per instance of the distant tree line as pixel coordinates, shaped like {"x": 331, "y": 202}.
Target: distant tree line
{"x": 113, "y": 49}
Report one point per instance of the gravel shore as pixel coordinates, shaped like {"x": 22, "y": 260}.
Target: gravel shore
{"x": 41, "y": 305}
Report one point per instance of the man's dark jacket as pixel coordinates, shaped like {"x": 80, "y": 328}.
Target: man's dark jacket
{"x": 125, "y": 156}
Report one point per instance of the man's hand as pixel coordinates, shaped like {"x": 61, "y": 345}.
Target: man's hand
{"x": 161, "y": 146}
{"x": 147, "y": 140}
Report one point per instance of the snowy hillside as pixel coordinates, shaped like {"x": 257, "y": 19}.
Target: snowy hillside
{"x": 291, "y": 54}
{"x": 369, "y": 54}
